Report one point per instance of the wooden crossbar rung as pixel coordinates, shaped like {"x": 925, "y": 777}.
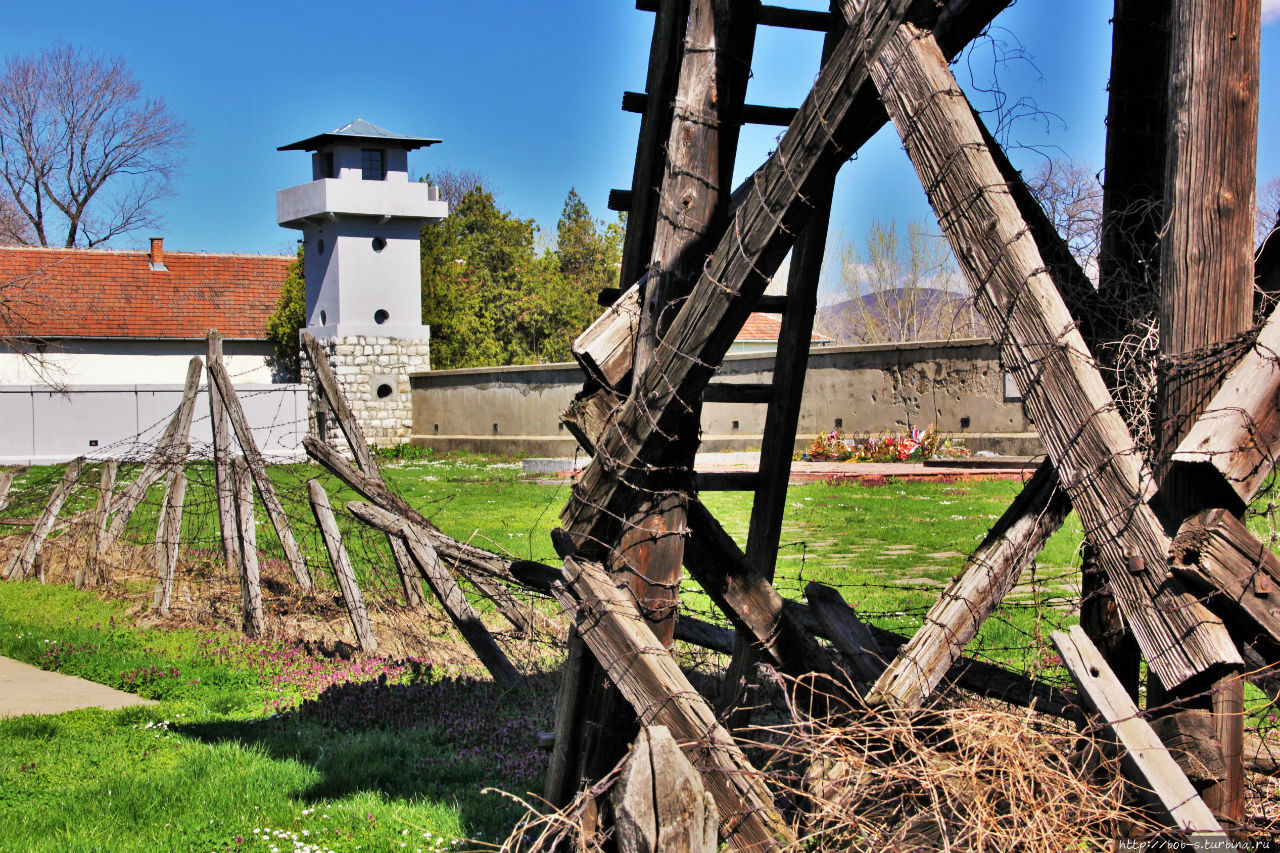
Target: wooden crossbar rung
{"x": 738, "y": 392}
{"x": 620, "y": 200}
{"x": 773, "y": 16}
{"x": 726, "y": 481}
{"x": 635, "y": 102}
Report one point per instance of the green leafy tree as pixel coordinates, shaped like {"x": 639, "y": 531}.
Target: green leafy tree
{"x": 287, "y": 319}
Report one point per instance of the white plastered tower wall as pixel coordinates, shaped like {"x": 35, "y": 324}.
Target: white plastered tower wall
{"x": 361, "y": 219}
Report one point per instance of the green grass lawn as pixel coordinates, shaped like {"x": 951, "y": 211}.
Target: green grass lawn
{"x": 257, "y": 739}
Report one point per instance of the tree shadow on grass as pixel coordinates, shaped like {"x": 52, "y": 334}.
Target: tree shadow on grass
{"x": 441, "y": 740}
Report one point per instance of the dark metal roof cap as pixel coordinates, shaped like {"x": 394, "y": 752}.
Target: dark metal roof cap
{"x": 360, "y": 130}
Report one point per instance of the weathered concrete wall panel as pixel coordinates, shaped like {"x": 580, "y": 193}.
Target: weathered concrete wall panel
{"x": 867, "y": 390}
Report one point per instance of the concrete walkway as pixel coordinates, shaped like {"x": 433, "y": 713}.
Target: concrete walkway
{"x": 25, "y": 689}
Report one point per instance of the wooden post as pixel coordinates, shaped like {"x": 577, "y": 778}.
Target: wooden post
{"x": 168, "y": 536}
{"x": 848, "y": 633}
{"x": 98, "y": 530}
{"x": 222, "y": 462}
{"x": 247, "y": 534}
{"x": 332, "y": 391}
{"x": 6, "y": 480}
{"x": 22, "y": 560}
{"x": 170, "y": 451}
{"x": 342, "y": 569}
{"x": 1206, "y": 265}
{"x": 441, "y": 582}
{"x": 257, "y": 467}
{"x": 659, "y": 803}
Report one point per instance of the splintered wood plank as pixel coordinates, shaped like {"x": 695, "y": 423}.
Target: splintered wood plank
{"x": 23, "y": 559}
{"x": 1064, "y": 394}
{"x": 1238, "y": 434}
{"x": 342, "y": 568}
{"x": 170, "y": 451}
{"x": 988, "y": 575}
{"x": 168, "y": 538}
{"x": 1214, "y": 550}
{"x": 659, "y": 803}
{"x": 1157, "y": 776}
{"x": 605, "y": 348}
{"x": 252, "y": 622}
{"x": 441, "y": 582}
{"x": 651, "y": 681}
{"x": 258, "y": 469}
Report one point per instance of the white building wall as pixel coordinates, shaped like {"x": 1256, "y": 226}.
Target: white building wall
{"x": 132, "y": 363}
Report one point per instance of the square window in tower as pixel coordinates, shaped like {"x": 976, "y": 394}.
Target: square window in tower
{"x": 372, "y": 164}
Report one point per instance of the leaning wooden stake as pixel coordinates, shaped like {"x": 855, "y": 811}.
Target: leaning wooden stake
{"x": 6, "y": 480}
{"x": 247, "y": 535}
{"x": 170, "y": 451}
{"x": 342, "y": 569}
{"x": 441, "y": 582}
{"x": 168, "y": 535}
{"x": 222, "y": 462}
{"x": 1145, "y": 760}
{"x": 25, "y": 557}
{"x": 1087, "y": 439}
{"x": 332, "y": 391}
{"x": 659, "y": 803}
{"x": 651, "y": 681}
{"x": 98, "y": 531}
{"x": 258, "y": 468}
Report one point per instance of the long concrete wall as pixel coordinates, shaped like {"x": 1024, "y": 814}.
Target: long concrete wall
{"x": 40, "y": 425}
{"x": 865, "y": 390}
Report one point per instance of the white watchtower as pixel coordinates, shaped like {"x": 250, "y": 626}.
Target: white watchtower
{"x": 361, "y": 219}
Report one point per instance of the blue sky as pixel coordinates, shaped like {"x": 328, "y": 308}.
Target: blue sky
{"x": 527, "y": 94}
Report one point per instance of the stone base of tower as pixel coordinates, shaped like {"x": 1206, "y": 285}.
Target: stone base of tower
{"x": 373, "y": 373}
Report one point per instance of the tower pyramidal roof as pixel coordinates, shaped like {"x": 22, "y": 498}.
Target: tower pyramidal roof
{"x": 357, "y": 130}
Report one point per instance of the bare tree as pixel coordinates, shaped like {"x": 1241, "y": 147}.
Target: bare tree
{"x": 1268, "y": 209}
{"x": 15, "y": 230}
{"x": 84, "y": 156}
{"x": 899, "y": 291}
{"x": 455, "y": 183}
{"x": 1071, "y": 196}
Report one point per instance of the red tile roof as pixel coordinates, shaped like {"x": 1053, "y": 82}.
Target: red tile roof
{"x": 93, "y": 293}
{"x": 766, "y": 328}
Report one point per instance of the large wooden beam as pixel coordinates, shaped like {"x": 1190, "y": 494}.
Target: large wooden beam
{"x": 1066, "y": 397}
{"x": 651, "y": 681}
{"x": 343, "y": 571}
{"x": 1157, "y": 777}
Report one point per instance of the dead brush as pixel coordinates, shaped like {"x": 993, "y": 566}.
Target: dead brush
{"x": 961, "y": 778}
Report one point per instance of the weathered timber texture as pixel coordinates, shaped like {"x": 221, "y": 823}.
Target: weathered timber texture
{"x": 1206, "y": 254}
{"x": 605, "y": 348}
{"x": 247, "y": 535}
{"x": 6, "y": 481}
{"x": 1191, "y": 738}
{"x": 475, "y": 564}
{"x": 847, "y": 632}
{"x": 359, "y": 445}
{"x": 1216, "y": 552}
{"x": 651, "y": 681}
{"x": 342, "y": 569}
{"x": 1145, "y": 760}
{"x": 98, "y": 523}
{"x": 1087, "y": 439}
{"x": 733, "y": 278}
{"x": 22, "y": 560}
{"x": 988, "y": 575}
{"x": 441, "y": 582}
{"x": 221, "y": 430}
{"x": 168, "y": 537}
{"x": 1238, "y": 432}
{"x": 170, "y": 451}
{"x": 258, "y": 469}
{"x": 659, "y": 803}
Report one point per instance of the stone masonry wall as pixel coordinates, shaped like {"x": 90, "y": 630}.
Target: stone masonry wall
{"x": 373, "y": 373}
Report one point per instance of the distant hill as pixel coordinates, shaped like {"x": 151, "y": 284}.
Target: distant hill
{"x": 902, "y": 314}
